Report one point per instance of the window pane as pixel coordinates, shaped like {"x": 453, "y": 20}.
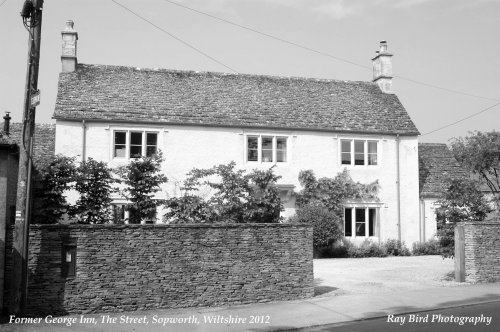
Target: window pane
{"x": 150, "y": 150}
{"x": 135, "y": 138}
{"x": 120, "y": 137}
{"x": 252, "y": 148}
{"x": 359, "y": 152}
{"x": 267, "y": 155}
{"x": 359, "y": 146}
{"x": 267, "y": 149}
{"x": 346, "y": 158}
{"x": 151, "y": 138}
{"x": 281, "y": 149}
{"x": 120, "y": 151}
{"x": 348, "y": 222}
{"x": 135, "y": 151}
{"x": 267, "y": 143}
{"x": 360, "y": 222}
{"x": 345, "y": 146}
{"x": 118, "y": 213}
{"x": 372, "y": 147}
{"x": 372, "y": 153}
{"x": 281, "y": 156}
{"x": 372, "y": 219}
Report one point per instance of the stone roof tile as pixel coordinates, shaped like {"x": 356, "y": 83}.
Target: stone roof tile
{"x": 114, "y": 93}
{"x": 436, "y": 165}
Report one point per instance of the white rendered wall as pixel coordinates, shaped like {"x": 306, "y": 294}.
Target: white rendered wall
{"x": 185, "y": 147}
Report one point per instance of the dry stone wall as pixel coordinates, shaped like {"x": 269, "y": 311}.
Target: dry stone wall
{"x": 133, "y": 267}
{"x": 482, "y": 252}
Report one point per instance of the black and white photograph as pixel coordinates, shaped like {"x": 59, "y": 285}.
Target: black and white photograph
{"x": 249, "y": 165}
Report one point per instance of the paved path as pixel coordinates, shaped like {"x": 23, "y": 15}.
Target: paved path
{"x": 281, "y": 315}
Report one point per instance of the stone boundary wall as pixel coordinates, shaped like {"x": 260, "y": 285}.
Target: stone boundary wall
{"x": 135, "y": 267}
{"x": 482, "y": 251}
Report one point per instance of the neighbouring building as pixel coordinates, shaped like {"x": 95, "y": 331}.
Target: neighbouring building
{"x": 202, "y": 119}
{"x": 436, "y": 165}
{"x": 10, "y": 138}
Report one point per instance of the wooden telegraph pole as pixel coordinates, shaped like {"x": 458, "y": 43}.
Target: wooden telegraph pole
{"x": 32, "y": 20}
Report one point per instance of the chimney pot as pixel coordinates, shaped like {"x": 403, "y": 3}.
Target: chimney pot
{"x": 6, "y": 123}
{"x": 69, "y": 41}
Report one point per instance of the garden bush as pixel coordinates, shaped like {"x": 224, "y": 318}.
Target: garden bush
{"x": 396, "y": 248}
{"x": 326, "y": 224}
{"x": 366, "y": 249}
{"x": 430, "y": 247}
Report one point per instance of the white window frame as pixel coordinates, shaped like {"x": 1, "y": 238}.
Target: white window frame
{"x": 128, "y": 132}
{"x": 274, "y": 147}
{"x": 366, "y": 207}
{"x": 365, "y": 151}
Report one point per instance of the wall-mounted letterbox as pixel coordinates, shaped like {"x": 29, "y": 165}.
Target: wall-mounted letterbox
{"x": 68, "y": 261}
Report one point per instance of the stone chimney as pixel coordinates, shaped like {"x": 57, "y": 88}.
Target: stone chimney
{"x": 68, "y": 57}
{"x": 6, "y": 123}
{"x": 382, "y": 68}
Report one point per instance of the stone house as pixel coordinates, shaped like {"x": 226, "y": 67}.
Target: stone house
{"x": 202, "y": 119}
{"x": 436, "y": 165}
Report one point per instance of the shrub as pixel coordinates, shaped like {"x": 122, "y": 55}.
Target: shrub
{"x": 327, "y": 227}
{"x": 236, "y": 197}
{"x": 143, "y": 178}
{"x": 463, "y": 201}
{"x": 93, "y": 182}
{"x": 52, "y": 178}
{"x": 396, "y": 248}
{"x": 366, "y": 249}
{"x": 430, "y": 247}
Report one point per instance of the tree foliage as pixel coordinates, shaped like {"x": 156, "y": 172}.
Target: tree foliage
{"x": 52, "y": 178}
{"x": 93, "y": 181}
{"x": 480, "y": 154}
{"x": 325, "y": 198}
{"x": 463, "y": 201}
{"x": 142, "y": 178}
{"x": 236, "y": 197}
{"x": 332, "y": 193}
{"x": 326, "y": 224}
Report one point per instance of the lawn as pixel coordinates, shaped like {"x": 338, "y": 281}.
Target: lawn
{"x": 342, "y": 276}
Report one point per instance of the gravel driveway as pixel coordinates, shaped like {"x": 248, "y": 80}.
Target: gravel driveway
{"x": 342, "y": 276}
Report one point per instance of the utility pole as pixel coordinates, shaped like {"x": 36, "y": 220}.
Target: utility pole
{"x": 32, "y": 19}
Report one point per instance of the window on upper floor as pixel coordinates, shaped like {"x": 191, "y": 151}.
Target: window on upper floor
{"x": 358, "y": 152}
{"x": 360, "y": 222}
{"x": 134, "y": 144}
{"x": 267, "y": 149}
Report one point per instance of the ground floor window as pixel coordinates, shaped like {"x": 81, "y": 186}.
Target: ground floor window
{"x": 360, "y": 221}
{"x": 124, "y": 215}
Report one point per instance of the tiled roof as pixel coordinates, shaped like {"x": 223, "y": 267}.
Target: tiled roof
{"x": 436, "y": 165}
{"x": 112, "y": 93}
{"x": 45, "y": 136}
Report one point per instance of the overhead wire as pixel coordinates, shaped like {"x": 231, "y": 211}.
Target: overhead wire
{"x": 175, "y": 37}
{"x": 461, "y": 120}
{"x": 311, "y": 50}
{"x": 323, "y": 53}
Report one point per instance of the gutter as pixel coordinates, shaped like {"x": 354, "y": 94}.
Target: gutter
{"x": 240, "y": 126}
{"x": 84, "y": 140}
{"x": 398, "y": 185}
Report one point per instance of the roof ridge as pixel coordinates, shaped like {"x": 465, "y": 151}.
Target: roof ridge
{"x": 224, "y": 74}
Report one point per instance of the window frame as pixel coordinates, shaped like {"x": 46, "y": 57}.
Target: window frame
{"x": 354, "y": 231}
{"x": 128, "y": 144}
{"x": 366, "y": 154}
{"x": 274, "y": 156}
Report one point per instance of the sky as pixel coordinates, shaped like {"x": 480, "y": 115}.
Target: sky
{"x": 451, "y": 44}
